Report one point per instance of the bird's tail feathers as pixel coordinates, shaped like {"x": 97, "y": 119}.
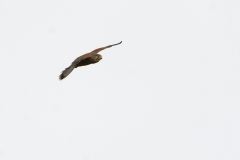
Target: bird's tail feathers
{"x": 66, "y": 72}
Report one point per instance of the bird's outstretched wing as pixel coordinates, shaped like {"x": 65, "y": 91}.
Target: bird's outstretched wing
{"x": 66, "y": 72}
{"x": 102, "y": 48}
{"x": 69, "y": 69}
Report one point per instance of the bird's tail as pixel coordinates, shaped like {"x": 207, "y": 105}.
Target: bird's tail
{"x": 66, "y": 72}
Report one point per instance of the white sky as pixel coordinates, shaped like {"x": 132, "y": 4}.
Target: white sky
{"x": 170, "y": 91}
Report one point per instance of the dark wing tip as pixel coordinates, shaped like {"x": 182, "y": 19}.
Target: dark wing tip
{"x": 61, "y": 77}
{"x": 116, "y": 44}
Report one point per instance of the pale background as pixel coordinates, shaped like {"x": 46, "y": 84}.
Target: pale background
{"x": 170, "y": 91}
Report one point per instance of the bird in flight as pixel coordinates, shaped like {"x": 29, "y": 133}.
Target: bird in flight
{"x": 86, "y": 59}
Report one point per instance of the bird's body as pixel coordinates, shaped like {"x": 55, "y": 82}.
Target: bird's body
{"x": 86, "y": 59}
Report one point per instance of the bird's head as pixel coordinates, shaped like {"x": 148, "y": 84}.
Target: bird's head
{"x": 97, "y": 57}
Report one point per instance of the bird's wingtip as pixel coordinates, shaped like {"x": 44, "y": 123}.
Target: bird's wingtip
{"x": 61, "y": 77}
{"x": 118, "y": 43}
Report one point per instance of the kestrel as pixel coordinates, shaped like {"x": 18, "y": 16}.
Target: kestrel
{"x": 86, "y": 59}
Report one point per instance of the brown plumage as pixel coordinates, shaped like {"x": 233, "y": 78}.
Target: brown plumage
{"x": 86, "y": 59}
